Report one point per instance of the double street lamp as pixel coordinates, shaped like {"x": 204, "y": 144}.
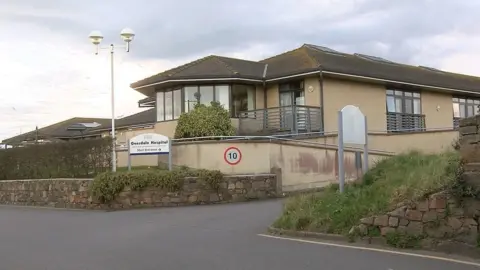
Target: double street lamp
{"x": 96, "y": 38}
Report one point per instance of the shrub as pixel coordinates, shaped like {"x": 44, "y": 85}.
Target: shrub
{"x": 82, "y": 158}
{"x": 205, "y": 121}
{"x": 106, "y": 186}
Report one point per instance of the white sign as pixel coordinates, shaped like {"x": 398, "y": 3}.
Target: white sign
{"x": 149, "y": 144}
{"x": 353, "y": 123}
{"x": 232, "y": 155}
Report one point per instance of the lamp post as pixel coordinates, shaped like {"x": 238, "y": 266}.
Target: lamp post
{"x": 96, "y": 38}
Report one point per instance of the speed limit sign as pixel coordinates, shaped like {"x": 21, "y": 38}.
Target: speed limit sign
{"x": 232, "y": 155}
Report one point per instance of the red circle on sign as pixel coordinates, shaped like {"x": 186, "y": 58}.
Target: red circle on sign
{"x": 228, "y": 155}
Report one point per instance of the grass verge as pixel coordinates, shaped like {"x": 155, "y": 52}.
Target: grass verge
{"x": 392, "y": 180}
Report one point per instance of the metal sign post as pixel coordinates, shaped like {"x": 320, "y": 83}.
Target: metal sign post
{"x": 352, "y": 129}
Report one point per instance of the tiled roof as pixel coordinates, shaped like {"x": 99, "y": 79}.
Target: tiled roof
{"x": 208, "y": 67}
{"x": 309, "y": 58}
{"x": 57, "y": 130}
{"x": 145, "y": 117}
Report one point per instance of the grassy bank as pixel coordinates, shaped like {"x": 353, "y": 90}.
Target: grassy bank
{"x": 390, "y": 181}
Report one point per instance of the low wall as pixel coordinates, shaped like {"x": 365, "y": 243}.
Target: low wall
{"x": 439, "y": 220}
{"x": 74, "y": 193}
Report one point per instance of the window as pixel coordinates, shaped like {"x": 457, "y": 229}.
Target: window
{"x": 243, "y": 99}
{"x": 177, "y": 103}
{"x": 206, "y": 94}
{"x": 168, "y": 105}
{"x": 222, "y": 95}
{"x": 291, "y": 86}
{"x": 190, "y": 98}
{"x": 160, "y": 106}
{"x": 404, "y": 111}
{"x": 464, "y": 107}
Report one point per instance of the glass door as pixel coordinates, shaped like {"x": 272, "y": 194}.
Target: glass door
{"x": 286, "y": 113}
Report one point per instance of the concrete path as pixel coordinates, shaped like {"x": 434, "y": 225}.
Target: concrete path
{"x": 219, "y": 237}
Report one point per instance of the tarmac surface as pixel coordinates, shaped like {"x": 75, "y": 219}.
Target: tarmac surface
{"x": 222, "y": 237}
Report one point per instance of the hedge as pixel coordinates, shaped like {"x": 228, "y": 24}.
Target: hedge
{"x": 77, "y": 159}
{"x": 106, "y": 186}
{"x": 204, "y": 121}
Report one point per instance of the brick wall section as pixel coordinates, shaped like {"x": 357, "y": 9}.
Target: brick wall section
{"x": 470, "y": 149}
{"x": 438, "y": 217}
{"x": 73, "y": 193}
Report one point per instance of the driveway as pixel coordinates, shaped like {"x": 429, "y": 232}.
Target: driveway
{"x": 214, "y": 237}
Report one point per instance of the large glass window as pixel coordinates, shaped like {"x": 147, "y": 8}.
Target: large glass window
{"x": 464, "y": 107}
{"x": 404, "y": 111}
{"x": 206, "y": 94}
{"x": 177, "y": 103}
{"x": 160, "y": 106}
{"x": 190, "y": 98}
{"x": 222, "y": 95}
{"x": 168, "y": 105}
{"x": 243, "y": 99}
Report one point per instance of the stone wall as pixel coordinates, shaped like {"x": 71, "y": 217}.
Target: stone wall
{"x": 438, "y": 217}
{"x": 73, "y": 193}
{"x": 470, "y": 150}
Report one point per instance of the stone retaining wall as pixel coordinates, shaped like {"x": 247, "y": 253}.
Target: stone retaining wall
{"x": 73, "y": 193}
{"x": 437, "y": 217}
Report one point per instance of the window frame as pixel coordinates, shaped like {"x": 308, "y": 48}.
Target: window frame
{"x": 406, "y": 97}
{"x": 197, "y": 86}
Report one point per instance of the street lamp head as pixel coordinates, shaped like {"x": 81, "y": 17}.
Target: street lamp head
{"x": 96, "y": 37}
{"x": 127, "y": 35}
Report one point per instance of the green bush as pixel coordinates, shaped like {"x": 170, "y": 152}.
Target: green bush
{"x": 81, "y": 158}
{"x": 106, "y": 186}
{"x": 205, "y": 121}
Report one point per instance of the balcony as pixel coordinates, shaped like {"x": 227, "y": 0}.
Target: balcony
{"x": 281, "y": 120}
{"x": 405, "y": 122}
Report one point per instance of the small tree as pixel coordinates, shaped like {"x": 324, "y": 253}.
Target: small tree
{"x": 204, "y": 121}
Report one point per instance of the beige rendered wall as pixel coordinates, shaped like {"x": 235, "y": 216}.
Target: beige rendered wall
{"x": 438, "y": 110}
{"x": 428, "y": 142}
{"x": 312, "y": 91}
{"x": 259, "y": 97}
{"x": 370, "y": 98}
{"x": 272, "y": 96}
{"x": 303, "y": 166}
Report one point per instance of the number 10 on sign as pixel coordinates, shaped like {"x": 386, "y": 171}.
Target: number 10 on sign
{"x": 232, "y": 156}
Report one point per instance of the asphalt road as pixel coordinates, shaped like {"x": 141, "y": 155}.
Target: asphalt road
{"x": 215, "y": 237}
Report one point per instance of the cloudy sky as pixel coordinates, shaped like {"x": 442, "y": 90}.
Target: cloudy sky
{"x": 49, "y": 72}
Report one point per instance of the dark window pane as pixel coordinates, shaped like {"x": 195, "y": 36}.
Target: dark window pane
{"x": 243, "y": 99}
{"x": 417, "y": 95}
{"x": 417, "y": 109}
{"x": 456, "y": 110}
{"x": 190, "y": 99}
{"x": 222, "y": 96}
{"x": 470, "y": 110}
{"x": 389, "y": 92}
{"x": 408, "y": 94}
{"x": 408, "y": 106}
{"x": 177, "y": 103}
{"x": 206, "y": 94}
{"x": 391, "y": 104}
{"x": 160, "y": 107}
{"x": 168, "y": 105}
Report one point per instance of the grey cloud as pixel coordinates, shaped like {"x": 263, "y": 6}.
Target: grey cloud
{"x": 178, "y": 29}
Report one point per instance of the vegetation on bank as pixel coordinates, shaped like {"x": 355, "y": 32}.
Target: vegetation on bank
{"x": 202, "y": 121}
{"x": 106, "y": 186}
{"x": 392, "y": 180}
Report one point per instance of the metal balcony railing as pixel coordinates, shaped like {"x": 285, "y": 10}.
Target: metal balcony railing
{"x": 278, "y": 120}
{"x": 456, "y": 122}
{"x": 405, "y": 122}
